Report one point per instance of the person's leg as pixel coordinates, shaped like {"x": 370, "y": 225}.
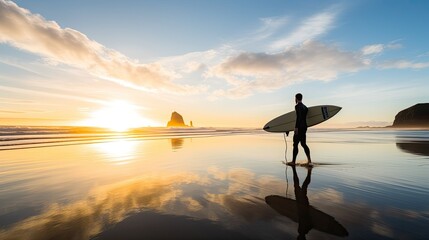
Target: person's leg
{"x": 295, "y": 147}
{"x": 303, "y": 140}
{"x": 307, "y": 181}
{"x": 295, "y": 178}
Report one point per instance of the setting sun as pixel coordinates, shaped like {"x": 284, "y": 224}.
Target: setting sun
{"x": 119, "y": 116}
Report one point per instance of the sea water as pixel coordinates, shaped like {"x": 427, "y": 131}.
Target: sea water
{"x": 68, "y": 183}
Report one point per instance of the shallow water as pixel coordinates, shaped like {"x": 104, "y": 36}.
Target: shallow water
{"x": 214, "y": 184}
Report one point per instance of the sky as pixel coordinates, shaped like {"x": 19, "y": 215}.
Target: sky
{"x": 217, "y": 63}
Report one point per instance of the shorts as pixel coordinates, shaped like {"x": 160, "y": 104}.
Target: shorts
{"x": 301, "y": 136}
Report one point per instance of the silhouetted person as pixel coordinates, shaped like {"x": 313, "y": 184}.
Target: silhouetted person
{"x": 300, "y": 132}
{"x": 302, "y": 204}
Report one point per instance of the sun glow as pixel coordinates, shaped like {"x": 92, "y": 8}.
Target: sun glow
{"x": 118, "y": 116}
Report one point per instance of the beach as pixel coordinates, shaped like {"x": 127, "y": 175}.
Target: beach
{"x": 171, "y": 120}
{"x": 212, "y": 184}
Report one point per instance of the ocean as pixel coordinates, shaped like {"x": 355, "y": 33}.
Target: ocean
{"x": 212, "y": 183}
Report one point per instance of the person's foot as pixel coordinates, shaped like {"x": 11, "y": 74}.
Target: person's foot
{"x": 309, "y": 164}
{"x": 291, "y": 163}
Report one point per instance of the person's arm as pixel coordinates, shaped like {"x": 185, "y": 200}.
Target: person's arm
{"x": 298, "y": 117}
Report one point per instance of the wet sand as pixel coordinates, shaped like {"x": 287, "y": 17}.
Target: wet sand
{"x": 216, "y": 185}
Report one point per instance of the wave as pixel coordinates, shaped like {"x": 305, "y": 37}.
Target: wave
{"x": 22, "y": 137}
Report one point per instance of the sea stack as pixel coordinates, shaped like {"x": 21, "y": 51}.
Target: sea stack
{"x": 176, "y": 120}
{"x": 415, "y": 116}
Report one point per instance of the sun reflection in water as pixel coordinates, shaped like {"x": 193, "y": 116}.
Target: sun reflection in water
{"x": 119, "y": 151}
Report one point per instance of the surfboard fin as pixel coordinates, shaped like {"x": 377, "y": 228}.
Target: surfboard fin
{"x": 287, "y": 133}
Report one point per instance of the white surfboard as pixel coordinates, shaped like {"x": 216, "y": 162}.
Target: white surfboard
{"x": 315, "y": 115}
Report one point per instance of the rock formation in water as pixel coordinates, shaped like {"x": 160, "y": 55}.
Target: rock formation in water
{"x": 176, "y": 120}
{"x": 415, "y": 116}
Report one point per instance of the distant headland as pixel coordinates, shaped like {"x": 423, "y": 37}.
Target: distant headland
{"x": 176, "y": 120}
{"x": 416, "y": 116}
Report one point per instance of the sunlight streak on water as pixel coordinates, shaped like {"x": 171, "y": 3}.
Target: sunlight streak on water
{"x": 118, "y": 151}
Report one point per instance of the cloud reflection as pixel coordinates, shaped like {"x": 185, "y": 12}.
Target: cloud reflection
{"x": 183, "y": 194}
{"x": 231, "y": 199}
{"x": 106, "y": 206}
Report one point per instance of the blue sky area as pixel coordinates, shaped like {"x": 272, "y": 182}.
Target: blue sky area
{"x": 218, "y": 63}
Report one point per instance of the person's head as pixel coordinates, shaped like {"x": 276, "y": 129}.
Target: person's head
{"x": 298, "y": 97}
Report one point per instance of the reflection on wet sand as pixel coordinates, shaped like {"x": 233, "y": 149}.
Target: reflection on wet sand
{"x": 225, "y": 204}
{"x": 220, "y": 186}
{"x": 220, "y": 203}
{"x": 87, "y": 218}
{"x": 176, "y": 143}
{"x": 414, "y": 147}
{"x": 119, "y": 151}
{"x": 299, "y": 210}
{"x": 155, "y": 225}
{"x": 169, "y": 199}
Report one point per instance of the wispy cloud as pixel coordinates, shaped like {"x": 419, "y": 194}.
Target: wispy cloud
{"x": 270, "y": 26}
{"x": 51, "y": 94}
{"x": 404, "y": 64}
{"x": 8, "y": 111}
{"x": 247, "y": 73}
{"x": 4, "y": 100}
{"x": 19, "y": 66}
{"x": 372, "y": 49}
{"x": 31, "y": 32}
{"x": 378, "y": 48}
{"x": 309, "y": 29}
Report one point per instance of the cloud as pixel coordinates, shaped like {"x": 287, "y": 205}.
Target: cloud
{"x": 372, "y": 49}
{"x": 404, "y": 64}
{"x": 247, "y": 73}
{"x": 270, "y": 26}
{"x": 294, "y": 58}
{"x": 392, "y": 64}
{"x": 52, "y": 94}
{"x": 191, "y": 62}
{"x": 378, "y": 48}
{"x": 309, "y": 29}
{"x": 8, "y": 111}
{"x": 31, "y": 32}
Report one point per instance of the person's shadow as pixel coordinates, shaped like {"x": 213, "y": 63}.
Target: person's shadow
{"x": 300, "y": 211}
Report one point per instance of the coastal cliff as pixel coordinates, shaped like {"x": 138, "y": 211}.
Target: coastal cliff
{"x": 415, "y": 116}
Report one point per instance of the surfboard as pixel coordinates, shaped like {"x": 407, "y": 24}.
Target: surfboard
{"x": 315, "y": 115}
